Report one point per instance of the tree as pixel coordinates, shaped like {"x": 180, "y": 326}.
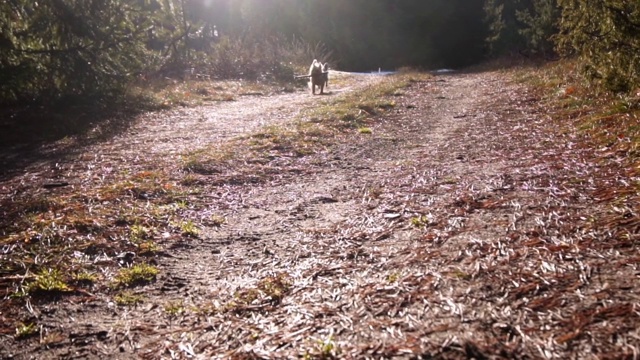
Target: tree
{"x": 539, "y": 24}
{"x": 605, "y": 35}
{"x": 61, "y": 48}
{"x": 525, "y": 26}
{"x": 503, "y": 26}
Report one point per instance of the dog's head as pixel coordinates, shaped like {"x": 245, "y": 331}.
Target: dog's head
{"x": 316, "y": 67}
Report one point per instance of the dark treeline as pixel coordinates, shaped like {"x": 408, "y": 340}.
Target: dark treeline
{"x": 64, "y": 48}
{"x": 363, "y": 35}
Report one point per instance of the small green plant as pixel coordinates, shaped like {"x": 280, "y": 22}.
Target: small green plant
{"x": 422, "y": 221}
{"x": 450, "y": 181}
{"x": 128, "y": 298}
{"x": 135, "y": 275}
{"x": 324, "y": 349}
{"x": 393, "y": 277}
{"x": 203, "y": 309}
{"x": 26, "y": 330}
{"x": 48, "y": 281}
{"x": 85, "y": 278}
{"x": 386, "y": 104}
{"x": 148, "y": 247}
{"x": 276, "y": 286}
{"x": 374, "y": 192}
{"x": 174, "y": 308}
{"x": 138, "y": 233}
{"x": 217, "y": 220}
{"x": 328, "y": 347}
{"x": 461, "y": 275}
{"x": 272, "y": 288}
{"x": 365, "y": 130}
{"x": 188, "y": 228}
{"x": 19, "y": 294}
{"x": 246, "y": 296}
{"x": 182, "y": 204}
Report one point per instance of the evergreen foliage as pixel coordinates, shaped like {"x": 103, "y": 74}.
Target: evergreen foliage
{"x": 605, "y": 35}
{"x": 64, "y": 48}
{"x": 540, "y": 20}
{"x": 524, "y": 26}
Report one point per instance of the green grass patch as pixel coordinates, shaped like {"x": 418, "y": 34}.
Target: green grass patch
{"x": 276, "y": 286}
{"x": 207, "y": 161}
{"x": 459, "y": 274}
{"x": 62, "y": 235}
{"x": 350, "y": 111}
{"x": 48, "y": 281}
{"x": 85, "y": 278}
{"x": 148, "y": 247}
{"x": 174, "y": 308}
{"x": 422, "y": 221}
{"x": 128, "y": 298}
{"x": 169, "y": 93}
{"x": 138, "y": 233}
{"x": 271, "y": 289}
{"x": 24, "y": 331}
{"x": 139, "y": 274}
{"x": 189, "y": 229}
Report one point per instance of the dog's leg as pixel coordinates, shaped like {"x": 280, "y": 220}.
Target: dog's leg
{"x": 325, "y": 74}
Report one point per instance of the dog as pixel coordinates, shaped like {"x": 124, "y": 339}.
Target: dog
{"x": 316, "y": 76}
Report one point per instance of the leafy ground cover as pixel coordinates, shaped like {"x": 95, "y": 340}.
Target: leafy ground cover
{"x": 471, "y": 215}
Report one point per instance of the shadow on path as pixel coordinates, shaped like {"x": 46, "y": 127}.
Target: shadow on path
{"x": 32, "y": 134}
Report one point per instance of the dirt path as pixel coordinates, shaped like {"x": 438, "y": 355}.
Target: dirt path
{"x": 166, "y": 136}
{"x": 445, "y": 233}
{"x": 187, "y": 129}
